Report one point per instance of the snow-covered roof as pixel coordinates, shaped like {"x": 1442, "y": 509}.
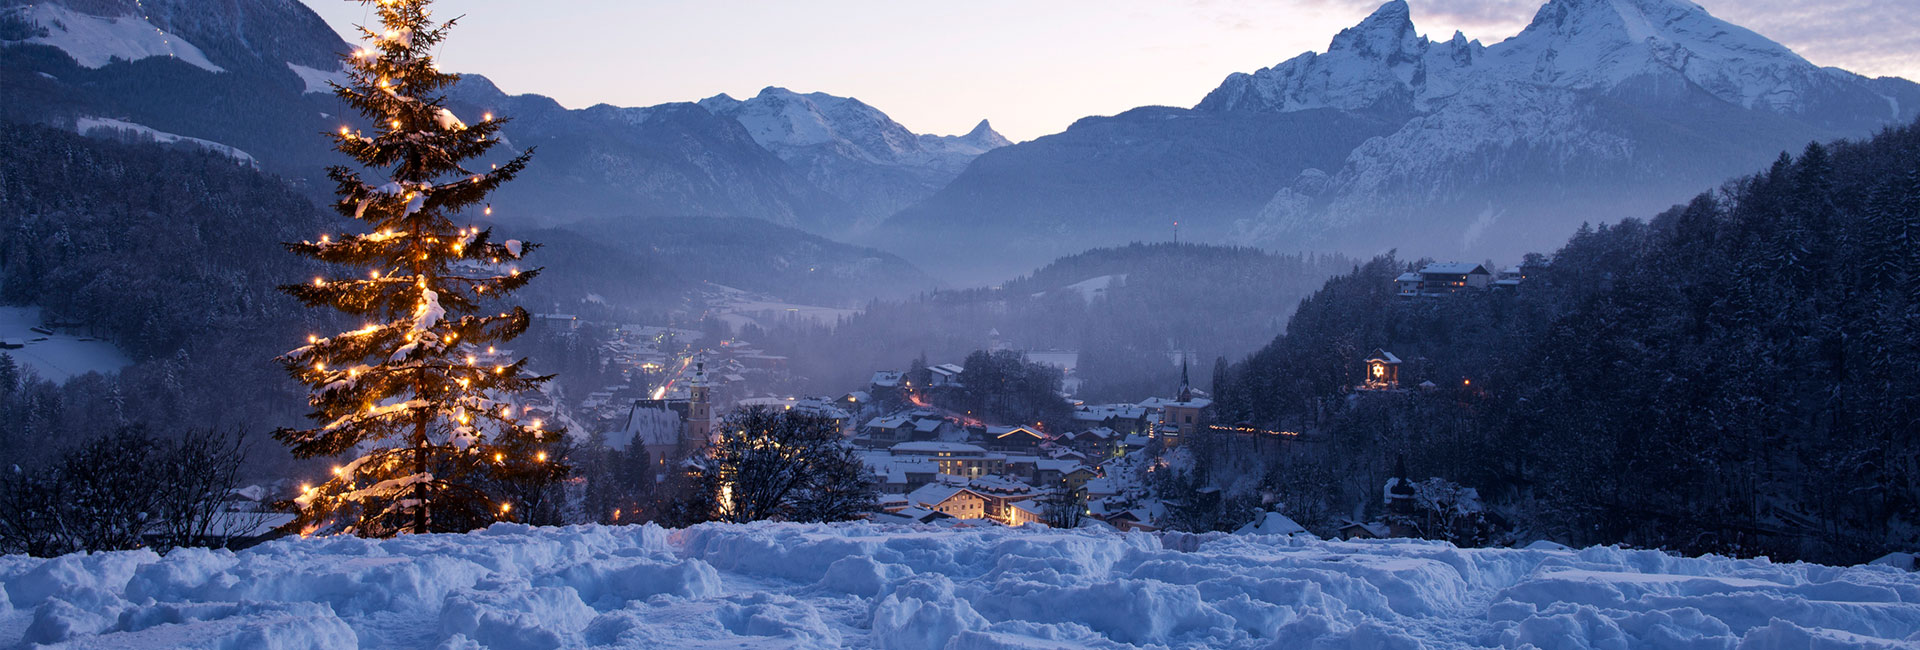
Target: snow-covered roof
{"x": 1408, "y": 277}
{"x": 1101, "y": 412}
{"x": 1002, "y": 432}
{"x": 656, "y": 427}
{"x": 1164, "y": 402}
{"x": 890, "y": 422}
{"x": 932, "y": 495}
{"x": 999, "y": 484}
{"x": 1383, "y": 355}
{"x": 1061, "y": 465}
{"x": 1453, "y": 268}
{"x": 886, "y": 378}
{"x": 1271, "y": 523}
{"x": 1097, "y": 433}
{"x": 929, "y": 447}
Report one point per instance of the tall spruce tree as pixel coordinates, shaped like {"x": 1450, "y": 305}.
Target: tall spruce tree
{"x": 436, "y": 433}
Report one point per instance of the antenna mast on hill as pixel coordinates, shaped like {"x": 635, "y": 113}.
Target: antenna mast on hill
{"x": 1176, "y": 232}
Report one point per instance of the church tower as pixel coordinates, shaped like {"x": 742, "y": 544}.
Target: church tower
{"x": 1186, "y": 386}
{"x": 700, "y": 408}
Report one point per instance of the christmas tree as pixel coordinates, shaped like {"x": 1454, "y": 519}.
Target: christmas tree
{"x": 416, "y": 395}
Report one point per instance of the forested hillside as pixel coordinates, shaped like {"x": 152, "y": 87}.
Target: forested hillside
{"x": 1734, "y": 375}
{"x": 1126, "y": 310}
{"x": 171, "y": 255}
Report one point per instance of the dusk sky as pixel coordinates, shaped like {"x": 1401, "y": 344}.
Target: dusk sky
{"x": 1030, "y": 67}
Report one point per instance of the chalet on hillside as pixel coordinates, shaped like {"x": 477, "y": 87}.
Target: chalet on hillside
{"x": 945, "y": 374}
{"x": 1453, "y": 277}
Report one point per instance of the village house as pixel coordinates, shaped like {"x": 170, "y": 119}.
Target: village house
{"x": 945, "y": 374}
{"x": 956, "y": 458}
{"x": 1122, "y": 418}
{"x": 887, "y": 431}
{"x": 1408, "y": 284}
{"x": 949, "y": 499}
{"x": 1098, "y": 442}
{"x": 1447, "y": 278}
{"x": 1013, "y": 439}
{"x": 1510, "y": 277}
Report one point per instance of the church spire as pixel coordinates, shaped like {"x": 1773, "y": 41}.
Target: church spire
{"x": 1186, "y": 385}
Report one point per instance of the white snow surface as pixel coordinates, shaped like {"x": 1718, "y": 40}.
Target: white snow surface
{"x": 88, "y": 125}
{"x": 63, "y": 355}
{"x": 317, "y": 79}
{"x": 866, "y": 585}
{"x": 95, "y": 41}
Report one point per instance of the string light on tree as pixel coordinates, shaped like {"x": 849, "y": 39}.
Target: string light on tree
{"x": 405, "y": 392}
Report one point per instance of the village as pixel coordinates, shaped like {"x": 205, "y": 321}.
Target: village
{"x": 939, "y": 466}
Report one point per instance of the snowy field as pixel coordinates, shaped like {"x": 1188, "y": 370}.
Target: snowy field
{"x": 873, "y": 586}
{"x": 61, "y": 356}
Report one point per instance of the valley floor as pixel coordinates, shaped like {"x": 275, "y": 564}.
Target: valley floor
{"x": 863, "y": 585}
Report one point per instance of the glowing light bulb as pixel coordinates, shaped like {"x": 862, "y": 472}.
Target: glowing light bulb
{"x": 318, "y": 282}
{"x": 396, "y": 125}
{"x": 499, "y": 458}
{"x": 336, "y": 470}
{"x": 487, "y": 117}
{"x": 540, "y": 457}
{"x": 506, "y": 508}
{"x": 343, "y": 130}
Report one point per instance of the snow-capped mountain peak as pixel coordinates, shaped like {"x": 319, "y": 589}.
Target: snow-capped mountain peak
{"x": 1387, "y": 35}
{"x": 852, "y": 149}
{"x": 1600, "y": 44}
{"x": 1380, "y": 65}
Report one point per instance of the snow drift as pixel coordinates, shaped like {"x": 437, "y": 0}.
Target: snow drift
{"x": 864, "y": 585}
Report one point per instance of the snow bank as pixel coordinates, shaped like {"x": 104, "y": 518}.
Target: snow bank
{"x": 909, "y": 587}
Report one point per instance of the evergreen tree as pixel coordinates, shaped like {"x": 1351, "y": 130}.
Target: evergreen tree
{"x": 436, "y": 431}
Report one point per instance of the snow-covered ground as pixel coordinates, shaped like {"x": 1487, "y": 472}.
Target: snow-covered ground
{"x": 95, "y": 41}
{"x": 88, "y": 125}
{"x": 60, "y": 356}
{"x": 865, "y": 585}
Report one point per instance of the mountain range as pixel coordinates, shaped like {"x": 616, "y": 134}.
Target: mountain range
{"x": 1597, "y": 110}
{"x": 253, "y": 75}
